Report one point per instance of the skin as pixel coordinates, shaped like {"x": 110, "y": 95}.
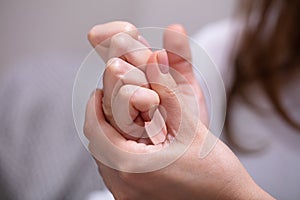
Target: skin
{"x": 219, "y": 175}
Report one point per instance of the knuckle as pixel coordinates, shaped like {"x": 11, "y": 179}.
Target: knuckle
{"x": 128, "y": 26}
{"x": 129, "y": 29}
{"x": 113, "y": 67}
{"x": 126, "y": 91}
{"x": 120, "y": 40}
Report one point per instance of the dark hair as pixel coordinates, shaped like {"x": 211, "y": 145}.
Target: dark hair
{"x": 268, "y": 54}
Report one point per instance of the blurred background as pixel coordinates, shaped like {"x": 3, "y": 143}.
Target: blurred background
{"x": 32, "y": 28}
{"x": 42, "y": 45}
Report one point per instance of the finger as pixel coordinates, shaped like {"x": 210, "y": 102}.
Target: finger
{"x": 129, "y": 102}
{"x": 102, "y": 32}
{"x": 124, "y": 46}
{"x": 177, "y": 44}
{"x": 102, "y": 135}
{"x": 94, "y": 118}
{"x": 117, "y": 39}
{"x": 180, "y": 59}
{"x": 116, "y": 74}
{"x": 156, "y": 129}
{"x": 163, "y": 83}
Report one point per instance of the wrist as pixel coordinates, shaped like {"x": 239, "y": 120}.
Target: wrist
{"x": 246, "y": 190}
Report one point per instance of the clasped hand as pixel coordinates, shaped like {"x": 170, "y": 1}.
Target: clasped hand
{"x": 150, "y": 102}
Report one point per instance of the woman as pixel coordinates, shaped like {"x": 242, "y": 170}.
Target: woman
{"x": 266, "y": 61}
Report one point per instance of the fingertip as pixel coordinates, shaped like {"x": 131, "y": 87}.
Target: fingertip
{"x": 92, "y": 36}
{"x": 178, "y": 28}
{"x": 153, "y": 57}
{"x": 101, "y": 32}
{"x": 177, "y": 43}
{"x": 144, "y": 99}
{"x": 117, "y": 67}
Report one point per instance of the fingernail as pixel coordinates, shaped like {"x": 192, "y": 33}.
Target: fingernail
{"x": 159, "y": 138}
{"x": 162, "y": 59}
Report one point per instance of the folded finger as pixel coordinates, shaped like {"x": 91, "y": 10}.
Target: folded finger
{"x": 129, "y": 102}
{"x": 163, "y": 83}
{"x": 117, "y": 73}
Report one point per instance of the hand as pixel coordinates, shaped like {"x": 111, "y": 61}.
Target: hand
{"x": 121, "y": 39}
{"x": 218, "y": 176}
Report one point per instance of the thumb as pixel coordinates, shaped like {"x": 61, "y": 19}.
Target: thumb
{"x": 161, "y": 81}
